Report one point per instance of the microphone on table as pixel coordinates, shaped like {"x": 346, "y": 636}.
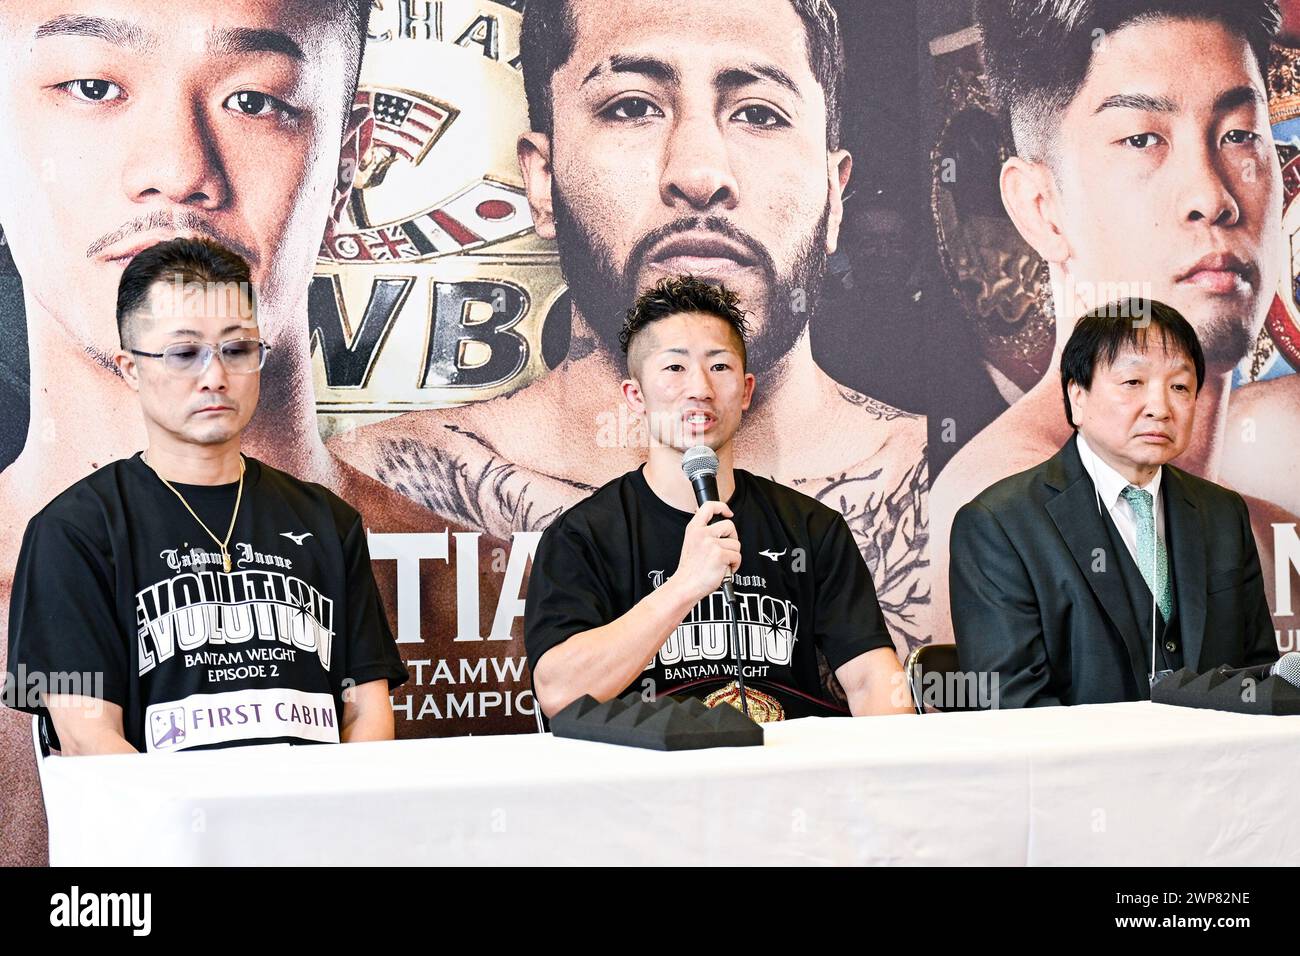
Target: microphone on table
{"x": 700, "y": 463}
{"x": 1286, "y": 667}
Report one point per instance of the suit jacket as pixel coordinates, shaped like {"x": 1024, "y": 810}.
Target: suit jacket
{"x": 1038, "y": 597}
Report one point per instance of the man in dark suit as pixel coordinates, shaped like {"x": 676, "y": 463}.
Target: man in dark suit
{"x": 1080, "y": 580}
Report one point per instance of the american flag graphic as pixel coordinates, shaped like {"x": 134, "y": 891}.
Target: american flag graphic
{"x": 479, "y": 213}
{"x": 403, "y": 123}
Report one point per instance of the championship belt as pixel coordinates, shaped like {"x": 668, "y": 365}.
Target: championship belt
{"x": 433, "y": 288}
{"x": 763, "y": 708}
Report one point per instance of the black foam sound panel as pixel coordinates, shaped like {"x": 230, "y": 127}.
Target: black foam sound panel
{"x": 1237, "y": 693}
{"x": 661, "y": 724}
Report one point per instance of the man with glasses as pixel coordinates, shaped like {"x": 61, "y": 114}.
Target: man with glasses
{"x": 128, "y": 123}
{"x": 191, "y": 596}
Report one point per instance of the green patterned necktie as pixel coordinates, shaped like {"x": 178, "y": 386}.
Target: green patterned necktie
{"x": 1147, "y": 543}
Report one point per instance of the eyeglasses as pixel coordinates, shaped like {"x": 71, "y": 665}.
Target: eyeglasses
{"x": 241, "y": 356}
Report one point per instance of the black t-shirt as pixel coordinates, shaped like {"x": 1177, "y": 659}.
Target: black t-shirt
{"x": 802, "y": 588}
{"x": 119, "y": 594}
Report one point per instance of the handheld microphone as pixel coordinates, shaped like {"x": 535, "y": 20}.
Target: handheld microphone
{"x": 1287, "y": 667}
{"x": 700, "y": 464}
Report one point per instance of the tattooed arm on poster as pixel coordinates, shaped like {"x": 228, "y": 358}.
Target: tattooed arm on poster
{"x": 884, "y": 500}
{"x": 467, "y": 480}
{"x": 887, "y": 515}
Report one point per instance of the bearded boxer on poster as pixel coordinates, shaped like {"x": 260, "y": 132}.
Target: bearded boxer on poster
{"x": 134, "y": 122}
{"x": 1144, "y": 161}
{"x": 286, "y": 640}
{"x": 673, "y": 136}
{"x": 642, "y": 610}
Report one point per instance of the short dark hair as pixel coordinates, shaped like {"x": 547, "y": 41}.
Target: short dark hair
{"x": 673, "y": 296}
{"x": 1037, "y": 52}
{"x": 550, "y": 28}
{"x": 1100, "y": 335}
{"x": 355, "y": 15}
{"x": 189, "y": 260}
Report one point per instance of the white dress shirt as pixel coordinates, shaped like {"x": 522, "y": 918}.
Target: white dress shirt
{"x": 1110, "y": 485}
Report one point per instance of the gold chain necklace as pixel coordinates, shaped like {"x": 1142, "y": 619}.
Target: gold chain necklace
{"x": 223, "y": 545}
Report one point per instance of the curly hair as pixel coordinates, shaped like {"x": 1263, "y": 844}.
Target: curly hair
{"x": 673, "y": 296}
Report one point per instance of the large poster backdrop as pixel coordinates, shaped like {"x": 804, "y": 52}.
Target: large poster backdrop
{"x": 450, "y": 367}
{"x": 443, "y": 298}
{"x": 1133, "y": 227}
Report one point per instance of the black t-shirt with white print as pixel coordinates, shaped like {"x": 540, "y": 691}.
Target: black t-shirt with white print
{"x": 802, "y": 588}
{"x": 120, "y": 594}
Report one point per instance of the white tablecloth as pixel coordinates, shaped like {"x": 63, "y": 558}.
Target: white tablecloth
{"x": 1134, "y": 783}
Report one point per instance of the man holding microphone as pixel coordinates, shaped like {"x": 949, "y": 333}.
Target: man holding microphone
{"x": 624, "y": 592}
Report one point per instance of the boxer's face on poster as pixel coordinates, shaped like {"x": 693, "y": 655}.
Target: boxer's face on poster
{"x": 690, "y": 137}
{"x": 132, "y": 121}
{"x": 689, "y": 381}
{"x": 1168, "y": 179}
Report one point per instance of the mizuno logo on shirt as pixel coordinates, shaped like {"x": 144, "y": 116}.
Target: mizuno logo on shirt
{"x": 295, "y": 538}
{"x": 773, "y": 554}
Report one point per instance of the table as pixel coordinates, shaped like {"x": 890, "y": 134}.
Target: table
{"x": 1135, "y": 783}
